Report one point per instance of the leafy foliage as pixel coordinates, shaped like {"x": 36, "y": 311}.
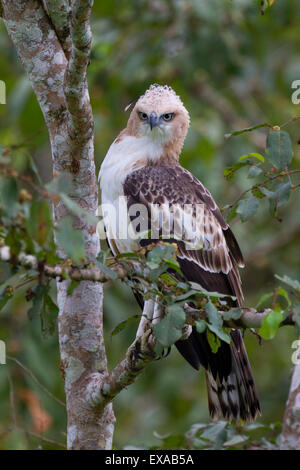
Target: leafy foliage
{"x": 136, "y": 43}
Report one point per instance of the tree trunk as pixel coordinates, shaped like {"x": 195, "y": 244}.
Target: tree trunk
{"x": 56, "y": 67}
{"x": 290, "y": 437}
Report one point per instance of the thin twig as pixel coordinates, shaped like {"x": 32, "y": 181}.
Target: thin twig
{"x": 268, "y": 180}
{"x": 38, "y": 436}
{"x": 29, "y": 372}
{"x": 12, "y": 399}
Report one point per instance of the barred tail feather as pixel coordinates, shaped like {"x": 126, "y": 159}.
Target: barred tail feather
{"x": 233, "y": 396}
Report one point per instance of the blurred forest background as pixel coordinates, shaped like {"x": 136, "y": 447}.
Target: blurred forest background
{"x": 233, "y": 68}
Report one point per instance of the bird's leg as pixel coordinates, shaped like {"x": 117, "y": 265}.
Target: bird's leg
{"x": 142, "y": 348}
{"x": 158, "y": 312}
{"x": 146, "y": 320}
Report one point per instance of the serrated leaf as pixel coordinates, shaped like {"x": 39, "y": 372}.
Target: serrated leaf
{"x": 247, "y": 207}
{"x": 279, "y": 149}
{"x": 270, "y": 324}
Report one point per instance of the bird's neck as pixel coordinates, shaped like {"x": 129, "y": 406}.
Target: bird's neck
{"x": 129, "y": 153}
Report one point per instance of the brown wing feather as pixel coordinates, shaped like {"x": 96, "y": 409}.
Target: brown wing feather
{"x": 176, "y": 186}
{"x": 230, "y": 386}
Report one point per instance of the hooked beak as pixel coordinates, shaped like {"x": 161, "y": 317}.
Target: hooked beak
{"x": 153, "y": 121}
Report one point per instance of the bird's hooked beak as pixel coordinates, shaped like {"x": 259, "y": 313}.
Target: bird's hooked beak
{"x": 153, "y": 121}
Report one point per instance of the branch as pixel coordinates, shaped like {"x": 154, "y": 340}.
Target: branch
{"x": 250, "y": 317}
{"x": 101, "y": 390}
{"x": 263, "y": 183}
{"x": 59, "y": 11}
{"x": 61, "y": 89}
{"x": 62, "y": 271}
{"x": 76, "y": 90}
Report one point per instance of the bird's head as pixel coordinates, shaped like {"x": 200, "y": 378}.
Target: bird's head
{"x": 160, "y": 116}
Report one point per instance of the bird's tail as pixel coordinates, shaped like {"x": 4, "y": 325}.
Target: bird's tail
{"x": 230, "y": 384}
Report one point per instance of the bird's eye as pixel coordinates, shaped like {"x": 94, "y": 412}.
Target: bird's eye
{"x": 143, "y": 116}
{"x": 168, "y": 116}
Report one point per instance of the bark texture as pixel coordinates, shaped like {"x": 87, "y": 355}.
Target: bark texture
{"x": 290, "y": 437}
{"x": 52, "y": 40}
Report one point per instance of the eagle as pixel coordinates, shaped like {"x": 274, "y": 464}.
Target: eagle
{"x": 141, "y": 177}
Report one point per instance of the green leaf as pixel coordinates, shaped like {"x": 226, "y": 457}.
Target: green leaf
{"x": 284, "y": 294}
{"x": 44, "y": 308}
{"x": 252, "y": 155}
{"x": 296, "y": 314}
{"x": 37, "y": 302}
{"x": 49, "y": 316}
{"x": 213, "y": 315}
{"x": 169, "y": 329}
{"x": 5, "y": 295}
{"x": 120, "y": 327}
{"x": 220, "y": 333}
{"x": 72, "y": 286}
{"x": 270, "y": 324}
{"x": 263, "y": 299}
{"x": 105, "y": 269}
{"x": 9, "y": 196}
{"x": 229, "y": 171}
{"x": 278, "y": 197}
{"x": 213, "y": 341}
{"x": 232, "y": 314}
{"x": 70, "y": 240}
{"x": 39, "y": 222}
{"x": 247, "y": 207}
{"x": 76, "y": 209}
{"x": 5, "y": 271}
{"x": 279, "y": 149}
{"x": 290, "y": 282}
{"x": 61, "y": 184}
{"x": 200, "y": 326}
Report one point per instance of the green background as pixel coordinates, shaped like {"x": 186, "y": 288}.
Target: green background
{"x": 233, "y": 68}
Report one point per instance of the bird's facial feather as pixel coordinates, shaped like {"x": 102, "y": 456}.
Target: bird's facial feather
{"x": 160, "y": 115}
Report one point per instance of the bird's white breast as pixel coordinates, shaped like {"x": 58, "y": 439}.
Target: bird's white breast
{"x": 124, "y": 156}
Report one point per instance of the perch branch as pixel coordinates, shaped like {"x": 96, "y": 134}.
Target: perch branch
{"x": 76, "y": 89}
{"x": 250, "y": 317}
{"x": 59, "y": 13}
